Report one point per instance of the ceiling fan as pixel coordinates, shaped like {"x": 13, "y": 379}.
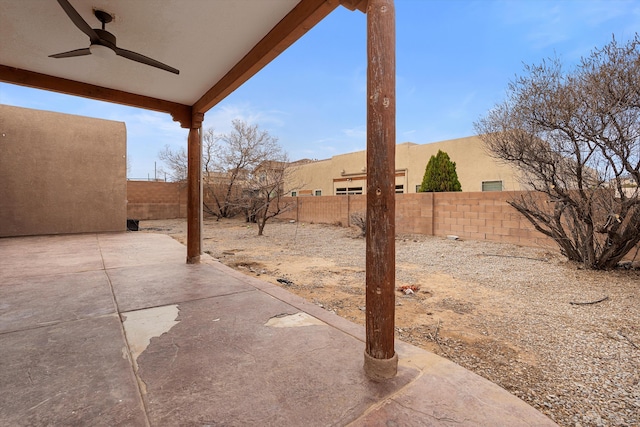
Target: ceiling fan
{"x": 101, "y": 37}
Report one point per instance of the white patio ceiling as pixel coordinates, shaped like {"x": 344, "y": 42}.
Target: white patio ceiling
{"x": 216, "y": 45}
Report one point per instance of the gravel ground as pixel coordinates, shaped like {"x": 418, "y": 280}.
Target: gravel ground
{"x": 500, "y": 310}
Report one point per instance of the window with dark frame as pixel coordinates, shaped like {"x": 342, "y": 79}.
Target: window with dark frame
{"x": 348, "y": 191}
{"x": 491, "y": 185}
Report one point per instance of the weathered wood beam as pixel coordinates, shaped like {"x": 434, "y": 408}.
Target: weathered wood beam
{"x": 360, "y": 5}
{"x": 293, "y": 26}
{"x": 180, "y": 113}
{"x": 194, "y": 196}
{"x": 381, "y": 360}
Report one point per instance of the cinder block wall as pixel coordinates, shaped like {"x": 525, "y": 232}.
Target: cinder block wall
{"x": 60, "y": 173}
{"x": 156, "y": 200}
{"x": 327, "y": 209}
{"x": 478, "y": 216}
{"x": 414, "y": 213}
{"x": 483, "y": 216}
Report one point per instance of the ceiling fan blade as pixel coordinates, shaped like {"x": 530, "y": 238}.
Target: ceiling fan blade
{"x": 72, "y": 53}
{"x": 78, "y": 21}
{"x": 144, "y": 60}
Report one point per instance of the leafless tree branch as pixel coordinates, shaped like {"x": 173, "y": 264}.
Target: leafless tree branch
{"x": 575, "y": 140}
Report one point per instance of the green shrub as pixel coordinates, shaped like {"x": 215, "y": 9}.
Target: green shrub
{"x": 440, "y": 174}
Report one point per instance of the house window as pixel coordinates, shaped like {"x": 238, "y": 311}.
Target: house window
{"x": 294, "y": 194}
{"x": 317, "y": 193}
{"x": 400, "y": 189}
{"x": 348, "y": 190}
{"x": 491, "y": 185}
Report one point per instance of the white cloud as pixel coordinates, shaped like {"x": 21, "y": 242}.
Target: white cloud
{"x": 408, "y": 134}
{"x": 599, "y": 12}
{"x": 220, "y": 118}
{"x": 549, "y": 23}
{"x": 358, "y": 132}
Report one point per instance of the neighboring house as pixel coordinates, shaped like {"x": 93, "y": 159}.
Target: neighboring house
{"x": 630, "y": 186}
{"x": 273, "y": 175}
{"x": 346, "y": 173}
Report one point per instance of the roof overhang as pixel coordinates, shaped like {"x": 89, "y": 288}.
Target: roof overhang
{"x": 216, "y": 45}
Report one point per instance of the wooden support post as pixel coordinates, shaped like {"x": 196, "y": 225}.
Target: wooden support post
{"x": 194, "y": 198}
{"x": 381, "y": 360}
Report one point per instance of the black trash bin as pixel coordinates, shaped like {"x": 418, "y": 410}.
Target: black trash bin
{"x": 133, "y": 224}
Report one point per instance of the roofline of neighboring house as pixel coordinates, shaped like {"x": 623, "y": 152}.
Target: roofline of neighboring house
{"x": 407, "y": 143}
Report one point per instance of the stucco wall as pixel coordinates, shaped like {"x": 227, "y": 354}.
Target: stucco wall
{"x": 473, "y": 166}
{"x": 60, "y": 173}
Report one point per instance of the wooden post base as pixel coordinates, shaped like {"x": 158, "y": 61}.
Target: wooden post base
{"x": 193, "y": 259}
{"x": 380, "y": 369}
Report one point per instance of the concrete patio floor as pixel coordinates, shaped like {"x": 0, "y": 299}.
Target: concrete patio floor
{"x": 115, "y": 329}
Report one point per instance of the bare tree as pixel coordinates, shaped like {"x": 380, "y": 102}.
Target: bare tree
{"x": 238, "y": 172}
{"x": 219, "y": 191}
{"x": 240, "y": 152}
{"x": 175, "y": 163}
{"x": 266, "y": 192}
{"x": 575, "y": 139}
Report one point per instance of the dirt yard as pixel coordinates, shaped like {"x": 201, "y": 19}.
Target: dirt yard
{"x": 515, "y": 315}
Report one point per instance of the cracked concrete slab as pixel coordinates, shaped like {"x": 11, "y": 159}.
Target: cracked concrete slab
{"x": 144, "y": 286}
{"x": 46, "y": 255}
{"x": 70, "y": 373}
{"x": 140, "y": 249}
{"x": 296, "y": 320}
{"x": 27, "y": 302}
{"x": 142, "y": 325}
{"x": 221, "y": 365}
{"x": 213, "y": 347}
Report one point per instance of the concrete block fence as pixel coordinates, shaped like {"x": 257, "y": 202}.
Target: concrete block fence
{"x": 478, "y": 216}
{"x": 469, "y": 215}
{"x": 156, "y": 200}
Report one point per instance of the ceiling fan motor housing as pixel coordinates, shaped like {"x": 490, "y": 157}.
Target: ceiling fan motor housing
{"x": 105, "y": 36}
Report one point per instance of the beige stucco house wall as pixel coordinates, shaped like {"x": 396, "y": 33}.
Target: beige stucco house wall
{"x": 60, "y": 173}
{"x": 346, "y": 173}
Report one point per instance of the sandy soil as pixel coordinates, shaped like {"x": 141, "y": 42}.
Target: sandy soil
{"x": 503, "y": 311}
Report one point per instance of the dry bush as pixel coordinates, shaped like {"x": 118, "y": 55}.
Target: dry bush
{"x": 359, "y": 220}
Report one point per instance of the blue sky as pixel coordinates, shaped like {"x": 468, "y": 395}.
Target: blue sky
{"x": 454, "y": 60}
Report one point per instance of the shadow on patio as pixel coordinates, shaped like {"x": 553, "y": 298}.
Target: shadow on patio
{"x": 115, "y": 329}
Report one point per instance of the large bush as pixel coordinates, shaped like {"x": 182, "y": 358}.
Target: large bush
{"x": 440, "y": 174}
